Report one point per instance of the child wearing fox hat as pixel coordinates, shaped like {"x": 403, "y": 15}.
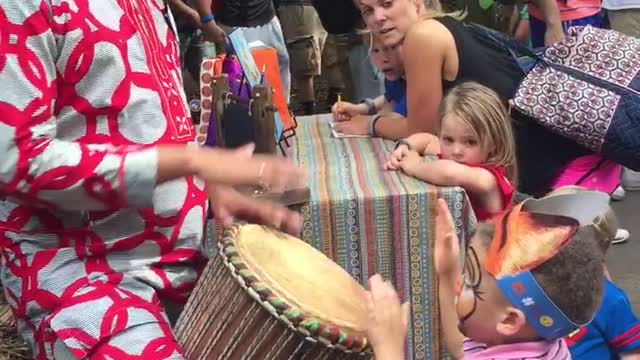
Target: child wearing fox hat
{"x": 531, "y": 276}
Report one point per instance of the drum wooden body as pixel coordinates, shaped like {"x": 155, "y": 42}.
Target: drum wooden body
{"x": 267, "y": 295}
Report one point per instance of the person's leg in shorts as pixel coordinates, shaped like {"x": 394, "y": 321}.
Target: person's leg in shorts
{"x": 305, "y": 39}
{"x": 332, "y": 63}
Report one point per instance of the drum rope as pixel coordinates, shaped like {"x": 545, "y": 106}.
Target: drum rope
{"x": 295, "y": 354}
{"x": 278, "y": 346}
{"x": 241, "y": 329}
{"x": 223, "y": 324}
{"x": 216, "y": 303}
{"x": 272, "y": 322}
{"x": 211, "y": 299}
{"x": 184, "y": 326}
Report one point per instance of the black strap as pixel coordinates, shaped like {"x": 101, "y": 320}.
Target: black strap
{"x": 515, "y": 47}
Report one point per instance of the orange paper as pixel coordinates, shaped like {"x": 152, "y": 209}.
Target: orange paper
{"x": 267, "y": 58}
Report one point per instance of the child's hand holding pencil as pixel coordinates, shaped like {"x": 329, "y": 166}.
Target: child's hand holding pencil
{"x": 344, "y": 110}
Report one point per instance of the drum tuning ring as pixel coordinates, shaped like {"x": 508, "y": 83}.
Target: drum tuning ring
{"x": 227, "y": 98}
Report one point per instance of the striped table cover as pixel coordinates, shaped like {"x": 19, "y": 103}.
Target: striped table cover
{"x": 373, "y": 221}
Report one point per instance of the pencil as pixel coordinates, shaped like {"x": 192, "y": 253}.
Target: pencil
{"x": 339, "y": 101}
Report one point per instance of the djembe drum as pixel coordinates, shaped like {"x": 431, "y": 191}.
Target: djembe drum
{"x": 268, "y": 295}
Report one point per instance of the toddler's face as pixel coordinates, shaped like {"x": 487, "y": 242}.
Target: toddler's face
{"x": 459, "y": 143}
{"x": 388, "y": 59}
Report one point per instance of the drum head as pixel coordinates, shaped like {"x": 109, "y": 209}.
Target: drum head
{"x": 304, "y": 287}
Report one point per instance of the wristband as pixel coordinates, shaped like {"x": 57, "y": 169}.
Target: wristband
{"x": 371, "y": 106}
{"x": 403, "y": 142}
{"x": 206, "y": 18}
{"x": 372, "y": 124}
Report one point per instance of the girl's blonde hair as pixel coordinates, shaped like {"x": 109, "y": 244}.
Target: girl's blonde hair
{"x": 606, "y": 224}
{"x": 481, "y": 110}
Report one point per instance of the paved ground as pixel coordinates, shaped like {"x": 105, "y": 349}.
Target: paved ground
{"x": 624, "y": 259}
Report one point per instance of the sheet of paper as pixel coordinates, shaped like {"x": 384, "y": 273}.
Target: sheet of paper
{"x": 243, "y": 52}
{"x": 338, "y": 135}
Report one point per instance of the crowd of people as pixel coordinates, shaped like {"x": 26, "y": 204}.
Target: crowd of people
{"x": 104, "y": 199}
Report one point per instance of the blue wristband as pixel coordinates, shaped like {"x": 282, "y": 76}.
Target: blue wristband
{"x": 206, "y": 18}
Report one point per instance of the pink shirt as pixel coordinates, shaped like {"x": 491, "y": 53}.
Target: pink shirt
{"x": 539, "y": 350}
{"x": 571, "y": 9}
{"x": 590, "y": 172}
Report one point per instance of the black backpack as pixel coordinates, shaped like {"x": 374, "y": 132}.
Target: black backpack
{"x": 337, "y": 16}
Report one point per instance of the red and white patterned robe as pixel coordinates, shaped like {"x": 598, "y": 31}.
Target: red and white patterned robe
{"x": 89, "y": 244}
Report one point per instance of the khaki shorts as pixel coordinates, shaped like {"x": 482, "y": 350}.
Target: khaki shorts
{"x": 626, "y": 21}
{"x": 305, "y": 38}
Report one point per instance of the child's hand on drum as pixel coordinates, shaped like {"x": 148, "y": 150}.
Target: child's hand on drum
{"x": 388, "y": 320}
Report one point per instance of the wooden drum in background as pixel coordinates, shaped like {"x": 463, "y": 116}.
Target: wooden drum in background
{"x": 268, "y": 295}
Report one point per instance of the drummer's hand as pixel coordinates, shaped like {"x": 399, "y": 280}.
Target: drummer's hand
{"x": 241, "y": 167}
{"x": 358, "y": 125}
{"x": 229, "y": 205}
{"x": 388, "y": 320}
{"x": 447, "y": 246}
{"x": 344, "y": 110}
{"x": 396, "y": 157}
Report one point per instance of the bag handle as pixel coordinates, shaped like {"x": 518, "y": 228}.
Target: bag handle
{"x": 517, "y": 50}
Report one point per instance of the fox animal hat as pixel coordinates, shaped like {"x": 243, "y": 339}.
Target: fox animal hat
{"x": 530, "y": 234}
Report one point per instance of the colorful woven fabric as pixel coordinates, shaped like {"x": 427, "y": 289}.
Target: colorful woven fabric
{"x": 373, "y": 221}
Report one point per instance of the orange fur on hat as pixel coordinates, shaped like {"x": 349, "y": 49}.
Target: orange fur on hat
{"x": 534, "y": 231}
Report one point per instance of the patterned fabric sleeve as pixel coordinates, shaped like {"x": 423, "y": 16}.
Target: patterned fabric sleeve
{"x": 35, "y": 167}
{"x": 622, "y": 328}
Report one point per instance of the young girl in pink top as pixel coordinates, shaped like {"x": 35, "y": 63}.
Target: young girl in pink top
{"x": 475, "y": 148}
